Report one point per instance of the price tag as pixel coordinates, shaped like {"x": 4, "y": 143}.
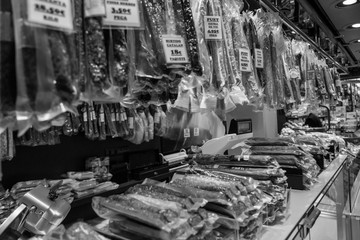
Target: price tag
{"x": 131, "y": 122}
{"x": 213, "y": 28}
{"x": 259, "y": 58}
{"x": 94, "y": 8}
{"x": 93, "y": 115}
{"x": 216, "y": 166}
{"x": 85, "y": 117}
{"x": 52, "y": 13}
{"x": 113, "y": 117}
{"x": 123, "y": 13}
{"x": 175, "y": 49}
{"x": 157, "y": 117}
{"x": 338, "y": 82}
{"x": 246, "y": 157}
{"x": 124, "y": 116}
{"x": 245, "y": 60}
{"x": 102, "y": 117}
{"x": 196, "y": 132}
{"x": 186, "y": 133}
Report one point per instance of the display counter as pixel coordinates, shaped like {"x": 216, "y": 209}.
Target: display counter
{"x": 302, "y": 202}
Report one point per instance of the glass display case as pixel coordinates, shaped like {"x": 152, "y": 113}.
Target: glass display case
{"x": 319, "y": 212}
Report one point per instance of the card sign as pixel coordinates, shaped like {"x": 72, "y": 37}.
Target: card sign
{"x": 51, "y": 13}
{"x": 259, "y": 58}
{"x": 186, "y": 133}
{"x": 245, "y": 60}
{"x": 122, "y": 13}
{"x": 213, "y": 28}
{"x": 175, "y": 49}
{"x": 196, "y": 132}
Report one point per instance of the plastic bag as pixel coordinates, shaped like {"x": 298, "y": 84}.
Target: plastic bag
{"x": 7, "y": 68}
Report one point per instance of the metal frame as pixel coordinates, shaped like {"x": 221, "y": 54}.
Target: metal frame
{"x": 269, "y": 6}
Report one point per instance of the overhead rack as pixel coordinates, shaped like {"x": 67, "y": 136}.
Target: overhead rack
{"x": 270, "y": 7}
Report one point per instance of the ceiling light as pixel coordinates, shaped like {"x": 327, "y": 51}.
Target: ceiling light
{"x": 356, "y": 25}
{"x": 349, "y": 2}
{"x": 358, "y": 40}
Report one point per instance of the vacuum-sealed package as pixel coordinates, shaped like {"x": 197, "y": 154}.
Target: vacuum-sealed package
{"x": 7, "y": 68}
{"x": 49, "y": 86}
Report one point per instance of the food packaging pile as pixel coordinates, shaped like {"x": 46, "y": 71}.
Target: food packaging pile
{"x": 194, "y": 55}
{"x": 194, "y": 205}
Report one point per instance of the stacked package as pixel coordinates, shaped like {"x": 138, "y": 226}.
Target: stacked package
{"x": 268, "y": 175}
{"x": 199, "y": 204}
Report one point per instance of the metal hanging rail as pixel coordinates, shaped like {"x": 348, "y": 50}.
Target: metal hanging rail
{"x": 270, "y": 7}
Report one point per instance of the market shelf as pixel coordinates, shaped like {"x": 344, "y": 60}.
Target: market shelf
{"x": 302, "y": 201}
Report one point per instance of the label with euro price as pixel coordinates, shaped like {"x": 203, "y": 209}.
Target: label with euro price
{"x": 245, "y": 60}
{"x": 122, "y": 13}
{"x": 186, "y": 133}
{"x": 175, "y": 49}
{"x": 51, "y": 13}
{"x": 196, "y": 132}
{"x": 213, "y": 27}
{"x": 259, "y": 58}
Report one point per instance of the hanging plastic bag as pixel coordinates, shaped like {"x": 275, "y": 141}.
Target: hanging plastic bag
{"x": 7, "y": 68}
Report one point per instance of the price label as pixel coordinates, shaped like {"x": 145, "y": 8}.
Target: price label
{"x": 85, "y": 117}
{"x": 175, "y": 49}
{"x": 52, "y": 13}
{"x": 123, "y": 13}
{"x": 131, "y": 122}
{"x": 102, "y": 117}
{"x": 124, "y": 116}
{"x": 196, "y": 132}
{"x": 259, "y": 58}
{"x": 93, "y": 115}
{"x": 338, "y": 82}
{"x": 94, "y": 8}
{"x": 245, "y": 60}
{"x": 113, "y": 117}
{"x": 246, "y": 157}
{"x": 213, "y": 28}
{"x": 157, "y": 117}
{"x": 186, "y": 133}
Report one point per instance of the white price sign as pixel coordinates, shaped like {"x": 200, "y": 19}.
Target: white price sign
{"x": 259, "y": 58}
{"x": 186, "y": 133}
{"x": 245, "y": 60}
{"x": 213, "y": 28}
{"x": 51, "y": 13}
{"x": 196, "y": 132}
{"x": 122, "y": 13}
{"x": 175, "y": 49}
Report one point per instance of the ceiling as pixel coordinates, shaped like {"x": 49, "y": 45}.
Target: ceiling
{"x": 339, "y": 19}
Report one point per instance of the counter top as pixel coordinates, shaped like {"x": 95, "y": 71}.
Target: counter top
{"x": 301, "y": 201}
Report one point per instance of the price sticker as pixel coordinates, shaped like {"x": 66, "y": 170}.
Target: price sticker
{"x": 113, "y": 117}
{"x": 102, "y": 117}
{"x": 259, "y": 58}
{"x": 196, "y": 132}
{"x": 213, "y": 28}
{"x": 85, "y": 117}
{"x": 186, "y": 133}
{"x": 157, "y": 117}
{"x": 175, "y": 49}
{"x": 51, "y": 13}
{"x": 124, "y": 116}
{"x": 93, "y": 115}
{"x": 131, "y": 122}
{"x": 123, "y": 13}
{"x": 245, "y": 60}
{"x": 246, "y": 157}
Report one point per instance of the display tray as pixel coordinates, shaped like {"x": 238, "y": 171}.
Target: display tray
{"x": 301, "y": 202}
